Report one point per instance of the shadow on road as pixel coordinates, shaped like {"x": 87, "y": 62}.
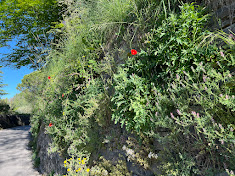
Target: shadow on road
{"x": 15, "y": 153}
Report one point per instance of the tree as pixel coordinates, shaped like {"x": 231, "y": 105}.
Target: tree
{"x": 20, "y": 104}
{"x": 31, "y": 88}
{"x": 2, "y": 92}
{"x": 28, "y": 21}
{"x": 32, "y": 82}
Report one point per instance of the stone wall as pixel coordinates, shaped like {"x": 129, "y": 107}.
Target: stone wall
{"x": 48, "y": 162}
{"x": 113, "y": 150}
{"x": 224, "y": 14}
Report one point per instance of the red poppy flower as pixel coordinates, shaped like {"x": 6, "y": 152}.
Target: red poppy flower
{"x": 50, "y": 124}
{"x": 133, "y": 52}
{"x": 62, "y": 95}
{"x": 49, "y": 77}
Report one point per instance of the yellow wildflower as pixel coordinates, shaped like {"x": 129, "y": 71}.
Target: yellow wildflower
{"x": 83, "y": 56}
{"x": 65, "y": 165}
{"x": 83, "y": 162}
{"x": 79, "y": 163}
{"x": 79, "y": 159}
{"x": 88, "y": 170}
{"x": 84, "y": 158}
{"x": 65, "y": 161}
{"x": 79, "y": 169}
{"x": 76, "y": 170}
{"x": 63, "y": 113}
{"x": 68, "y": 170}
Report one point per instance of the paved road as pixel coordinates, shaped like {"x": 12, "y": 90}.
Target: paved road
{"x": 15, "y": 156}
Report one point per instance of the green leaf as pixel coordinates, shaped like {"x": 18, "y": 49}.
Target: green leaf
{"x": 90, "y": 48}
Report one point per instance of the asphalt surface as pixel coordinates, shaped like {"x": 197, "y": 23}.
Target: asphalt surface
{"x": 15, "y": 155}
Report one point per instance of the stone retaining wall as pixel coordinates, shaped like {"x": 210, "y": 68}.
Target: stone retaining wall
{"x": 48, "y": 162}
{"x": 224, "y": 14}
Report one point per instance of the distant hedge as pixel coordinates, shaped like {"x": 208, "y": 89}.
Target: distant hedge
{"x": 9, "y": 121}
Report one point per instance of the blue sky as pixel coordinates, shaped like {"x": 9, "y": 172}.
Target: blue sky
{"x": 12, "y": 76}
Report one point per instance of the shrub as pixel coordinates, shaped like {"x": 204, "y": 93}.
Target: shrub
{"x": 175, "y": 85}
{"x": 172, "y": 50}
{"x": 4, "y": 107}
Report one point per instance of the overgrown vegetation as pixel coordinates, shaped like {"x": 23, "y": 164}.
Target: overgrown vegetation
{"x": 28, "y": 22}
{"x": 2, "y": 92}
{"x": 181, "y": 81}
{"x": 21, "y": 103}
{"x": 4, "y": 107}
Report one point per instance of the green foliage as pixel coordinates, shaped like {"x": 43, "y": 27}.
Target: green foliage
{"x": 22, "y": 102}
{"x": 183, "y": 165}
{"x": 163, "y": 86}
{"x": 4, "y": 107}
{"x": 143, "y": 76}
{"x": 36, "y": 160}
{"x": 196, "y": 131}
{"x": 32, "y": 82}
{"x": 132, "y": 99}
{"x": 105, "y": 167}
{"x": 175, "y": 85}
{"x": 2, "y": 92}
{"x": 29, "y": 21}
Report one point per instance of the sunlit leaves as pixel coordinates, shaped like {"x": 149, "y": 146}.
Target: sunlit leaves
{"x": 28, "y": 21}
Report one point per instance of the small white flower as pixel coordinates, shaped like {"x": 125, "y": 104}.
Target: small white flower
{"x": 152, "y": 155}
